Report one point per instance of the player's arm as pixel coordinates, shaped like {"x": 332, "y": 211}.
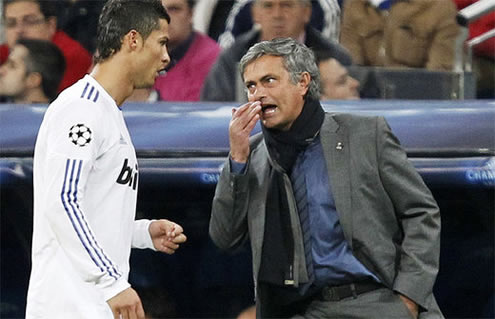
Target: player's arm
{"x": 66, "y": 172}
{"x": 161, "y": 235}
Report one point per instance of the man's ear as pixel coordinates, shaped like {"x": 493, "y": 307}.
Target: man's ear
{"x": 33, "y": 80}
{"x": 132, "y": 40}
{"x": 255, "y": 11}
{"x": 307, "y": 14}
{"x": 303, "y": 83}
{"x": 51, "y": 23}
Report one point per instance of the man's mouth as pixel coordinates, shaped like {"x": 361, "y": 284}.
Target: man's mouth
{"x": 268, "y": 108}
{"x": 162, "y": 72}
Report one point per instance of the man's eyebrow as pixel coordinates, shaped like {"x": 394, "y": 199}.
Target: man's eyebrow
{"x": 266, "y": 77}
{"x": 262, "y": 79}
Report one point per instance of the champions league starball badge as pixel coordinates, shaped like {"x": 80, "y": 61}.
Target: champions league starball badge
{"x": 80, "y": 135}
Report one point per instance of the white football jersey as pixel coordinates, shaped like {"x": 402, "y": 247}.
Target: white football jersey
{"x": 85, "y": 188}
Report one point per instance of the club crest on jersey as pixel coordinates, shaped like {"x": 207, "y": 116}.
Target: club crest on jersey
{"x": 80, "y": 135}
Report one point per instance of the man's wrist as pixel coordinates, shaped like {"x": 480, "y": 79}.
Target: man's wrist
{"x": 237, "y": 167}
{"x": 410, "y": 304}
{"x": 238, "y": 158}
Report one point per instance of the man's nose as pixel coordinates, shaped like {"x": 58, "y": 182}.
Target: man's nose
{"x": 277, "y": 10}
{"x": 17, "y": 30}
{"x": 258, "y": 95}
{"x": 355, "y": 83}
{"x": 165, "y": 56}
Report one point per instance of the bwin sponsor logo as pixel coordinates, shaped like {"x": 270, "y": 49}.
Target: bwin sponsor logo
{"x": 128, "y": 175}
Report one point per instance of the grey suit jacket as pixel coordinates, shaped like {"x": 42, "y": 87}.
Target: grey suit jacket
{"x": 388, "y": 215}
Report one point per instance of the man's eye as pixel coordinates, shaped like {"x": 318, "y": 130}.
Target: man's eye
{"x": 251, "y": 87}
{"x": 287, "y": 5}
{"x": 173, "y": 9}
{"x": 10, "y": 23}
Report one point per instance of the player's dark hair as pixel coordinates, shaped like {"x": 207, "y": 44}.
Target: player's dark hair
{"x": 45, "y": 58}
{"x": 118, "y": 17}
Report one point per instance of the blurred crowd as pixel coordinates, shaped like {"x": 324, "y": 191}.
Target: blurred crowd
{"x": 208, "y": 38}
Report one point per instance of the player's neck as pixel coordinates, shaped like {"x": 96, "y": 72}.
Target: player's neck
{"x": 115, "y": 79}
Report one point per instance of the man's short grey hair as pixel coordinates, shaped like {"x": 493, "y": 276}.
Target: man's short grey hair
{"x": 297, "y": 58}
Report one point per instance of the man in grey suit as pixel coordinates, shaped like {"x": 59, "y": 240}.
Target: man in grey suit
{"x": 340, "y": 223}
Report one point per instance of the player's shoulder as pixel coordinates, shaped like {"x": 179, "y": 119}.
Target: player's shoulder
{"x": 83, "y": 99}
{"x": 82, "y": 105}
{"x": 85, "y": 92}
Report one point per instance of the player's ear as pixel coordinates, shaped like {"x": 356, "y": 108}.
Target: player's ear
{"x": 132, "y": 40}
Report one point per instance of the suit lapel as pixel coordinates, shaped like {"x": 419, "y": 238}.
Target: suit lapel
{"x": 335, "y": 143}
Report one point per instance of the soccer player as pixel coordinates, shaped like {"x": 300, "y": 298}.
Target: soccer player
{"x": 86, "y": 177}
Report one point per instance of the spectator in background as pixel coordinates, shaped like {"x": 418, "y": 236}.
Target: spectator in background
{"x": 336, "y": 83}
{"x": 399, "y": 33}
{"x": 37, "y": 19}
{"x": 210, "y": 15}
{"x": 192, "y": 55}
{"x": 79, "y": 19}
{"x": 325, "y": 17}
{"x": 32, "y": 73}
{"x": 483, "y": 53}
{"x": 276, "y": 18}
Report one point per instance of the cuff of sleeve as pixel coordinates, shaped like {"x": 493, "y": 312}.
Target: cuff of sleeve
{"x": 114, "y": 289}
{"x": 404, "y": 287}
{"x": 236, "y": 167}
{"x": 141, "y": 237}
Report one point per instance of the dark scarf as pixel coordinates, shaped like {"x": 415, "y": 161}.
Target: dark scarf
{"x": 284, "y": 146}
{"x": 278, "y": 245}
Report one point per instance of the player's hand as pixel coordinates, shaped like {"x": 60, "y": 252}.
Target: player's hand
{"x": 242, "y": 123}
{"x": 166, "y": 235}
{"x": 411, "y": 305}
{"x": 126, "y": 305}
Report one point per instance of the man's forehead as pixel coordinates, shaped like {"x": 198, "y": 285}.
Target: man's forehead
{"x": 18, "y": 54}
{"x": 22, "y": 8}
{"x": 266, "y": 64}
{"x": 19, "y": 51}
{"x": 167, "y": 3}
